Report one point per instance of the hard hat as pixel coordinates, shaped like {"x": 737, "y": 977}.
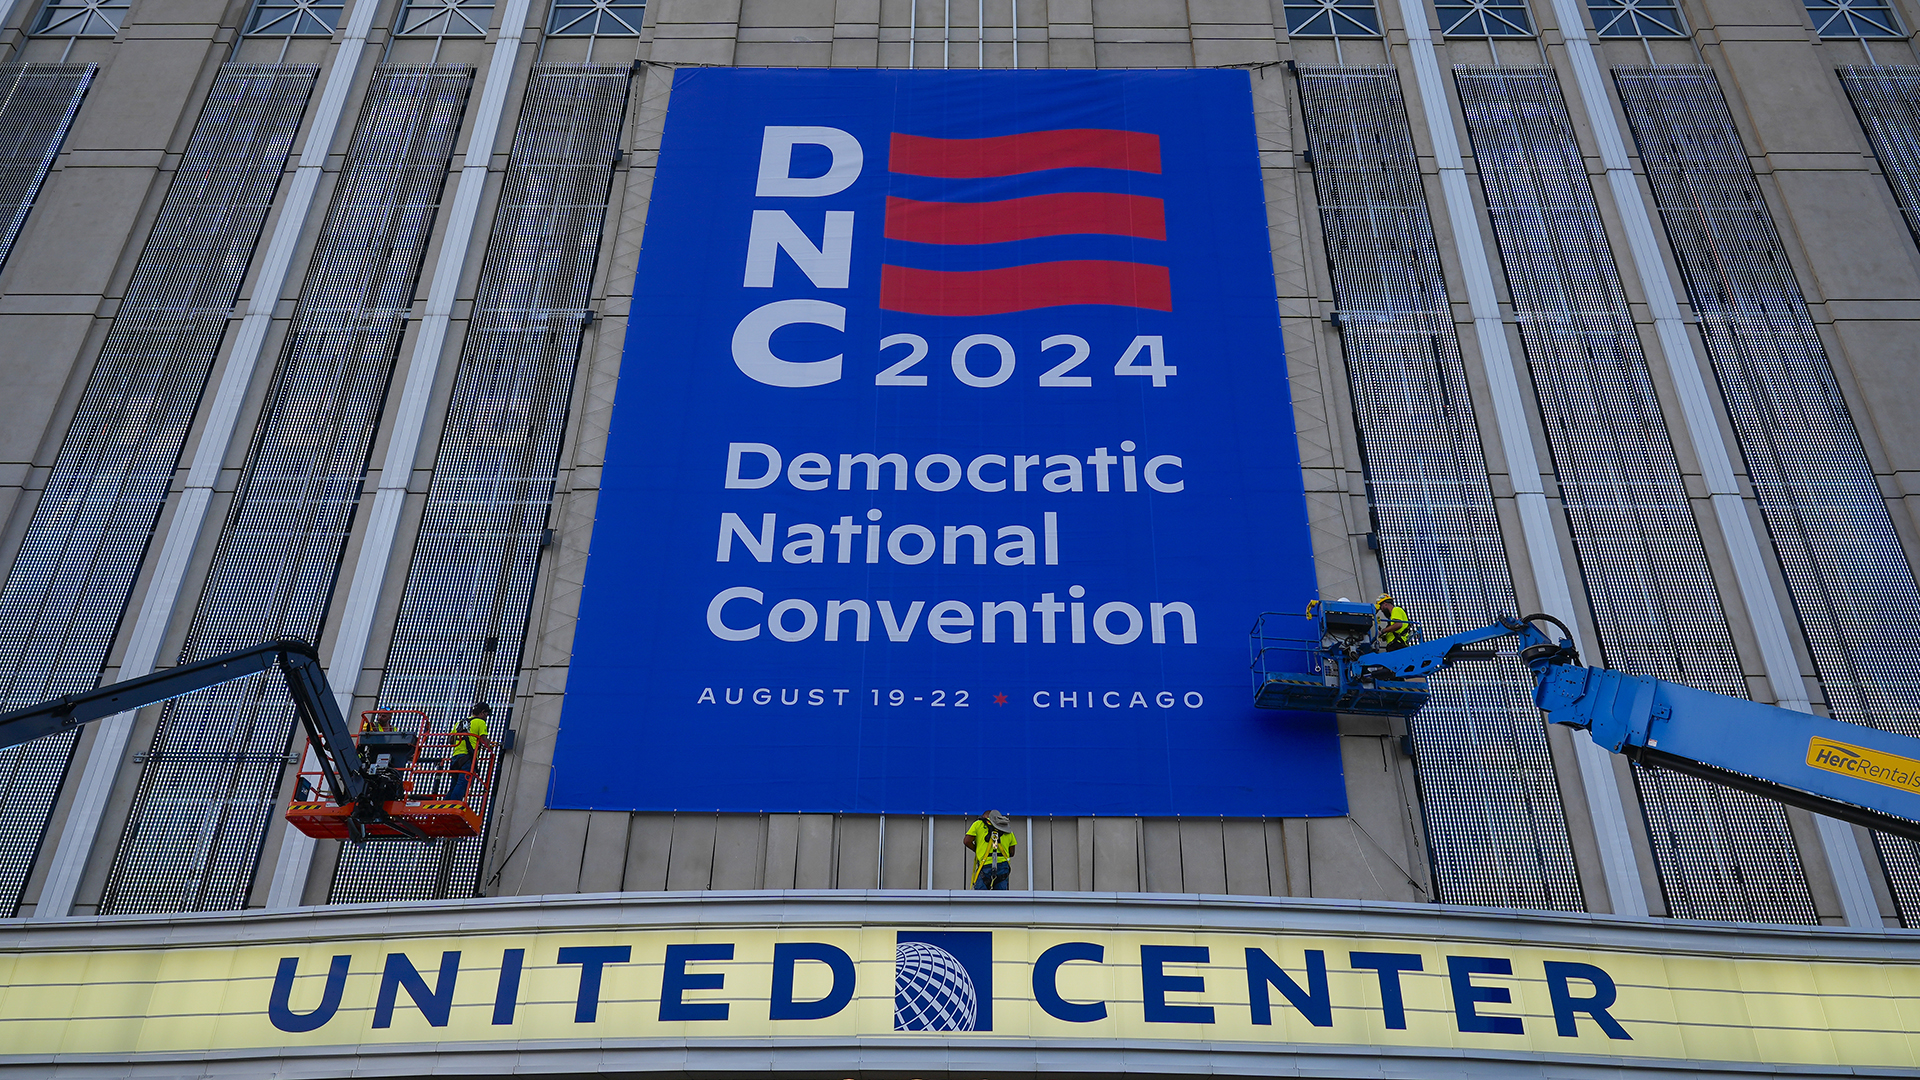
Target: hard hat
{"x": 997, "y": 821}
{"x": 1384, "y": 599}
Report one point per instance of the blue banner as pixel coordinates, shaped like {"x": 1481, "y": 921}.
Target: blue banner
{"x": 951, "y": 461}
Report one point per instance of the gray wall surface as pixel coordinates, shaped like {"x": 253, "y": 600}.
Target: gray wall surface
{"x": 1845, "y": 238}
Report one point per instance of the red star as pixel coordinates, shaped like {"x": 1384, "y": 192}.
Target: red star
{"x": 999, "y": 699}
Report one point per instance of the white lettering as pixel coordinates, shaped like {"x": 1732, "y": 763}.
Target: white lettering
{"x": 718, "y": 625}
{"x": 773, "y": 231}
{"x": 761, "y": 546}
{"x": 753, "y": 343}
{"x": 776, "y": 162}
{"x": 735, "y": 451}
{"x": 947, "y": 620}
{"x": 777, "y": 620}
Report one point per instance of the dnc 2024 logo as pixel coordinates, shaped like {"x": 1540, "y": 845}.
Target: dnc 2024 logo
{"x": 943, "y": 981}
{"x": 1014, "y": 202}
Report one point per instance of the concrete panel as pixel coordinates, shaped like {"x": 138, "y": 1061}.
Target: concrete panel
{"x": 649, "y": 842}
{"x": 952, "y": 862}
{"x": 812, "y": 13}
{"x": 1203, "y": 855}
{"x": 552, "y": 854}
{"x": 783, "y": 53}
{"x": 1231, "y": 51}
{"x": 690, "y": 863}
{"x": 603, "y": 860}
{"x": 1161, "y": 837}
{"x": 906, "y": 853}
{"x": 1244, "y": 845}
{"x": 1140, "y": 54}
{"x": 1294, "y": 849}
{"x": 814, "y": 862}
{"x": 1884, "y": 355}
{"x": 859, "y": 864}
{"x": 78, "y": 230}
{"x": 1063, "y": 837}
{"x": 739, "y": 858}
{"x": 37, "y": 359}
{"x": 1857, "y": 248}
{"x": 1116, "y": 855}
{"x": 1791, "y": 101}
{"x": 1170, "y": 13}
{"x": 783, "y": 845}
{"x": 151, "y": 91}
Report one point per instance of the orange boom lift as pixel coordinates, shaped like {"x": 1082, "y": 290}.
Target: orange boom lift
{"x": 388, "y": 782}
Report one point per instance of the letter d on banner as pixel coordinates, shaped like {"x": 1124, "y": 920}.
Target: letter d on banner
{"x": 776, "y": 162}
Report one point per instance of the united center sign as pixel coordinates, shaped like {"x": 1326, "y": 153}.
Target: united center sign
{"x": 925, "y": 981}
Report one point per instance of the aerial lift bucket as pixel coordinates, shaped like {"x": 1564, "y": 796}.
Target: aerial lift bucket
{"x": 1297, "y": 664}
{"x": 402, "y": 742}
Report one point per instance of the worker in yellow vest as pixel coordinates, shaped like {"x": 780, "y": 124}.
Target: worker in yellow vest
{"x": 1391, "y": 630}
{"x": 468, "y": 736}
{"x": 991, "y": 840}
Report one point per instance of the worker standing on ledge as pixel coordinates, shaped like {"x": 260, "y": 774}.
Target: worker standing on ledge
{"x": 1391, "y": 630}
{"x": 991, "y": 840}
{"x": 466, "y": 740}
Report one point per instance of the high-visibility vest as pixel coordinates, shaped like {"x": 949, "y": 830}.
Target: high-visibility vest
{"x": 989, "y": 845}
{"x": 467, "y": 742}
{"x": 1394, "y": 627}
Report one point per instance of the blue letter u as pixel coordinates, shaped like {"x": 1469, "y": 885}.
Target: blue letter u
{"x": 286, "y": 1019}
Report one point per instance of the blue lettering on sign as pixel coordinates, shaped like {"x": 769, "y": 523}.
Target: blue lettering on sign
{"x": 944, "y": 982}
{"x": 952, "y": 458}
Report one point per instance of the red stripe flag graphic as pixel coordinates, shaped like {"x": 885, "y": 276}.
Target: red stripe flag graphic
{"x": 1024, "y": 288}
{"x": 1009, "y": 155}
{"x": 1064, "y": 214}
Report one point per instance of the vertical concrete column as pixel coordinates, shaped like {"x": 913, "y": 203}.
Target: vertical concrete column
{"x": 1624, "y": 890}
{"x": 82, "y": 824}
{"x": 409, "y": 419}
{"x": 1703, "y": 429}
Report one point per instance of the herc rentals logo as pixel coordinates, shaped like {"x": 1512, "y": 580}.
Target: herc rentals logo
{"x": 943, "y": 981}
{"x": 1862, "y": 763}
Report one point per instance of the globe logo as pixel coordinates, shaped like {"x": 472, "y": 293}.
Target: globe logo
{"x": 932, "y": 990}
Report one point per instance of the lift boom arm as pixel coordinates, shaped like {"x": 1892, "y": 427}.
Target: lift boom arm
{"x": 1846, "y": 771}
{"x": 306, "y": 682}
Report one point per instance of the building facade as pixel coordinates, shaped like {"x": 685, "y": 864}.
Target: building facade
{"x": 1604, "y": 309}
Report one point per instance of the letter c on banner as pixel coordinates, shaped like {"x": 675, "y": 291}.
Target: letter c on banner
{"x": 753, "y": 349}
{"x": 718, "y": 607}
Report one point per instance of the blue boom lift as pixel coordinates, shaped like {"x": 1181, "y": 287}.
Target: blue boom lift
{"x": 1846, "y": 771}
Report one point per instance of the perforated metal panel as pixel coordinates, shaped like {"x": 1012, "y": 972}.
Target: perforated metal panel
{"x": 1844, "y": 565}
{"x": 37, "y": 105}
{"x": 1721, "y": 854}
{"x": 70, "y": 583}
{"x": 463, "y": 617}
{"x": 1496, "y": 826}
{"x": 211, "y": 783}
{"x": 1887, "y": 101}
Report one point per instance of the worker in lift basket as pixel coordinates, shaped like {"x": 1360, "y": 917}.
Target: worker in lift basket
{"x": 991, "y": 840}
{"x": 1391, "y": 630}
{"x": 466, "y": 739}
